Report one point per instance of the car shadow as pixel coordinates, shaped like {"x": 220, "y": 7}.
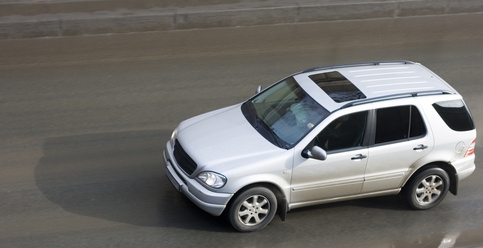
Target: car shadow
{"x": 118, "y": 177}
{"x": 121, "y": 177}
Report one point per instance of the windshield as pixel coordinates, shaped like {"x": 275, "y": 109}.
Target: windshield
{"x": 284, "y": 113}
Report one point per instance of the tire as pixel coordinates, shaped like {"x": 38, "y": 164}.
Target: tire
{"x": 427, "y": 189}
{"x": 253, "y": 209}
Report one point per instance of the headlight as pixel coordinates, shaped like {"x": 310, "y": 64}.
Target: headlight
{"x": 212, "y": 179}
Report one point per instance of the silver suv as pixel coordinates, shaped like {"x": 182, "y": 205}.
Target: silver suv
{"x": 324, "y": 135}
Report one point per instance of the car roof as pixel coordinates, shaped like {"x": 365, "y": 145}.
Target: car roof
{"x": 351, "y": 84}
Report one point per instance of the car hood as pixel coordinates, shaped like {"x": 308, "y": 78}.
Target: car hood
{"x": 223, "y": 139}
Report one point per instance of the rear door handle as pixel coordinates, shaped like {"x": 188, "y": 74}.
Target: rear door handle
{"x": 420, "y": 147}
{"x": 359, "y": 157}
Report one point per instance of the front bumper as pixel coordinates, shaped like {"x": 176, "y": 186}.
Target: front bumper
{"x": 211, "y": 202}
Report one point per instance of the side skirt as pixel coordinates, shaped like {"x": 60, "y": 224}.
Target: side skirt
{"x": 344, "y": 198}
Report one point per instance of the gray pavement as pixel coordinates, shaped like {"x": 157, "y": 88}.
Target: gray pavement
{"x": 84, "y": 121}
{"x": 55, "y": 18}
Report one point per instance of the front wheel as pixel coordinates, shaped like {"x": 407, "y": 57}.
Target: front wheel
{"x": 427, "y": 189}
{"x": 253, "y": 209}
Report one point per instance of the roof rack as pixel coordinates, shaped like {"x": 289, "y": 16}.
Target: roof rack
{"x": 395, "y": 96}
{"x": 374, "y": 63}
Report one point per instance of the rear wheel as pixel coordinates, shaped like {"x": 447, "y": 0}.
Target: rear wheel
{"x": 253, "y": 209}
{"x": 427, "y": 189}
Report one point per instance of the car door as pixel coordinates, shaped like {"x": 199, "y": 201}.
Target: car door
{"x": 342, "y": 172}
{"x": 401, "y": 137}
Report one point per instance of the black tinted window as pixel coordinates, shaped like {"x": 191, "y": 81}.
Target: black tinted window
{"x": 343, "y": 133}
{"x": 398, "y": 123}
{"x": 417, "y": 127}
{"x": 455, "y": 114}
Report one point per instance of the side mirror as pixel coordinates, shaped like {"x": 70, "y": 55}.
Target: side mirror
{"x": 259, "y": 89}
{"x": 316, "y": 153}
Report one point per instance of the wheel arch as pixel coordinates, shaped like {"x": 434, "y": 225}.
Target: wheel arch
{"x": 447, "y": 167}
{"x": 282, "y": 204}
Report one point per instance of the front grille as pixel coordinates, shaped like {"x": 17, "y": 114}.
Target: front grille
{"x": 183, "y": 159}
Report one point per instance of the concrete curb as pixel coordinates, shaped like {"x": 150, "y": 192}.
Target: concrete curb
{"x": 162, "y": 19}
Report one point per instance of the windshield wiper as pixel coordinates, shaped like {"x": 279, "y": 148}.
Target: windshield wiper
{"x": 275, "y": 137}
{"x": 259, "y": 121}
{"x": 265, "y": 131}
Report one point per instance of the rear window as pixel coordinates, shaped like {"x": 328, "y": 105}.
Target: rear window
{"x": 455, "y": 114}
{"x": 338, "y": 87}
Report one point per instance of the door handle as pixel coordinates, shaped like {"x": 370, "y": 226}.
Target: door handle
{"x": 420, "y": 147}
{"x": 359, "y": 157}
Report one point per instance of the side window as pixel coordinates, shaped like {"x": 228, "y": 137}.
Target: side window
{"x": 455, "y": 115}
{"x": 398, "y": 124}
{"x": 417, "y": 128}
{"x": 343, "y": 133}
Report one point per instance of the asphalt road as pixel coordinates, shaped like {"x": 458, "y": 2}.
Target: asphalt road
{"x": 84, "y": 121}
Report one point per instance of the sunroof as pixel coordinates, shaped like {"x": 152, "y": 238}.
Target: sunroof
{"x": 339, "y": 88}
